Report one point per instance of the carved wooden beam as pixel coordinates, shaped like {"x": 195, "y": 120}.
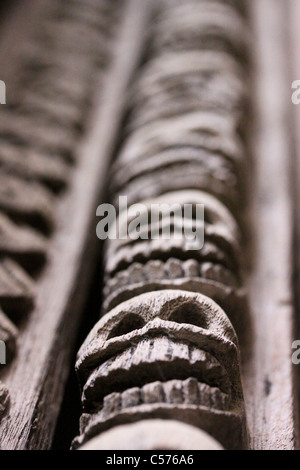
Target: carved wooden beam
{"x": 150, "y": 357}
{"x": 168, "y": 354}
{"x": 153, "y": 435}
{"x": 52, "y": 144}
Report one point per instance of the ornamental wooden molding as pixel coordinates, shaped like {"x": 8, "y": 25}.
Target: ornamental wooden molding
{"x": 40, "y": 129}
{"x": 140, "y": 361}
{"x": 152, "y": 435}
{"x": 164, "y": 102}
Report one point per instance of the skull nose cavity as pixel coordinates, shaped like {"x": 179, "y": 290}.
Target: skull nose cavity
{"x": 189, "y": 313}
{"x": 129, "y": 323}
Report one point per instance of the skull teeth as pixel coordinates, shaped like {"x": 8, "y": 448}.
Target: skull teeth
{"x": 179, "y": 392}
{"x": 151, "y": 360}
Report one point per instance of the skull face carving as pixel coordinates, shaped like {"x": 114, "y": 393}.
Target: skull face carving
{"x": 182, "y": 82}
{"x": 137, "y": 266}
{"x": 203, "y": 170}
{"x": 213, "y": 26}
{"x": 168, "y": 355}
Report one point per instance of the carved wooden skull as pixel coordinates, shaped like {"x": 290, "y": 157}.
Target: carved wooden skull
{"x": 208, "y": 25}
{"x": 169, "y": 355}
{"x": 4, "y": 400}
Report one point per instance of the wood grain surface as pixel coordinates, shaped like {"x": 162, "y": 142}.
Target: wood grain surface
{"x": 270, "y": 385}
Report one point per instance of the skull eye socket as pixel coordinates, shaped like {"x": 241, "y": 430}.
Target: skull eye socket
{"x": 129, "y": 323}
{"x": 189, "y": 313}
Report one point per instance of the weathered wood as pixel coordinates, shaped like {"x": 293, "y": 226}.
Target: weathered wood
{"x": 142, "y": 360}
{"x": 269, "y": 375}
{"x": 31, "y": 165}
{"x": 164, "y": 173}
{"x": 18, "y": 27}
{"x": 28, "y": 129}
{"x": 22, "y": 244}
{"x": 36, "y": 379}
{"x": 27, "y": 202}
{"x": 8, "y": 340}
{"x": 49, "y": 73}
{"x": 219, "y": 272}
{"x": 294, "y": 54}
{"x": 206, "y": 130}
{"x": 162, "y": 152}
{"x": 16, "y": 288}
{"x": 4, "y": 401}
{"x": 209, "y": 26}
{"x": 8, "y": 334}
{"x": 220, "y": 229}
{"x": 239, "y": 5}
{"x": 178, "y": 83}
{"x": 181, "y": 352}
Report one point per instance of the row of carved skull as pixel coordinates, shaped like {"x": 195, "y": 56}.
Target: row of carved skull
{"x": 165, "y": 348}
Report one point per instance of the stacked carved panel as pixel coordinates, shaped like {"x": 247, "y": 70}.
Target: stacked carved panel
{"x": 167, "y": 350}
{"x": 40, "y": 129}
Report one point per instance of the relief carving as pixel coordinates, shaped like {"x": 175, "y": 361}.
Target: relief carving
{"x": 180, "y": 352}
